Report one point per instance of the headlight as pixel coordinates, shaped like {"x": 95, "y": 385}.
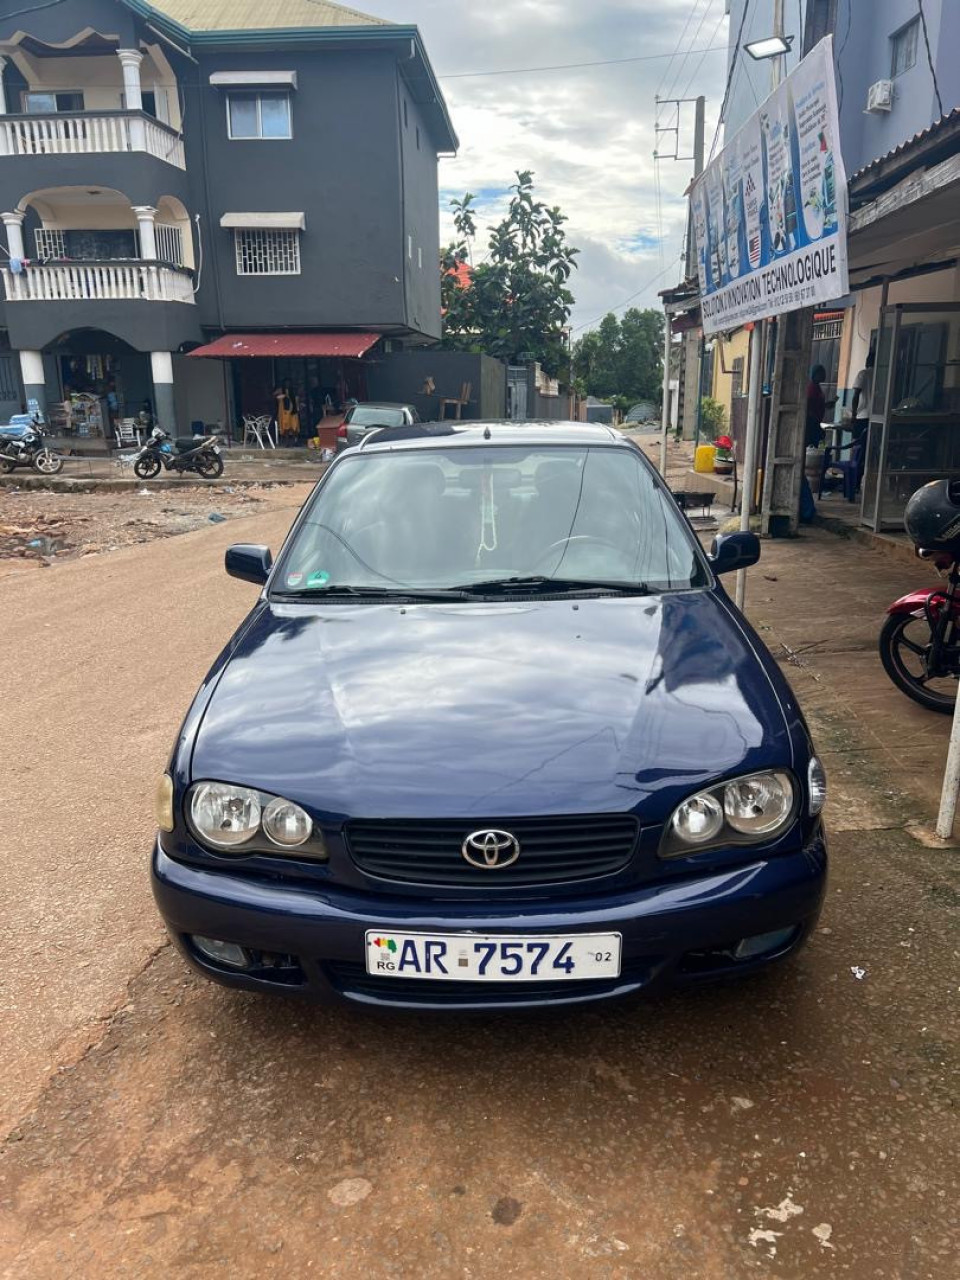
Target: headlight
{"x": 698, "y": 819}
{"x": 742, "y": 811}
{"x": 247, "y": 822}
{"x": 817, "y": 785}
{"x": 758, "y": 805}
{"x": 286, "y": 823}
{"x": 223, "y": 815}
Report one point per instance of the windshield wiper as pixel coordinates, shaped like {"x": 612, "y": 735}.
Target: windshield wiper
{"x": 540, "y": 582}
{"x": 338, "y": 590}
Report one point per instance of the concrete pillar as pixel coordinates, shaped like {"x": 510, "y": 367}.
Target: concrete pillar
{"x": 161, "y": 365}
{"x": 146, "y": 218}
{"x": 3, "y": 92}
{"x": 13, "y": 221}
{"x": 34, "y": 383}
{"x": 130, "y": 60}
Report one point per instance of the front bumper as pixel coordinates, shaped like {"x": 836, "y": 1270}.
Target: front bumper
{"x": 683, "y": 931}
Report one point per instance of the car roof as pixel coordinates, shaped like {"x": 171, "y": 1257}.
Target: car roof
{"x": 442, "y": 435}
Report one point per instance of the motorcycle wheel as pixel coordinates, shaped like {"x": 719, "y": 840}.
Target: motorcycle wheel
{"x": 7, "y": 467}
{"x": 146, "y": 468}
{"x": 210, "y": 466}
{"x": 904, "y": 643}
{"x": 47, "y": 462}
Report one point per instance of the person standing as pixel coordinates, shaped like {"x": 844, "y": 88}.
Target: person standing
{"x": 862, "y": 399}
{"x": 816, "y": 407}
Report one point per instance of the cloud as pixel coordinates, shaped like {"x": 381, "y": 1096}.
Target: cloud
{"x": 587, "y": 133}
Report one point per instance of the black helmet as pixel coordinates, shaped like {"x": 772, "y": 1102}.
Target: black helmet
{"x": 932, "y": 517}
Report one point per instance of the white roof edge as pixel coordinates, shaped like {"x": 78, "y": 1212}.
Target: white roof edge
{"x": 240, "y": 79}
{"x": 276, "y": 221}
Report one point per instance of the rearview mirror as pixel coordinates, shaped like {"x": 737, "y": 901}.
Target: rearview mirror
{"x": 731, "y": 551}
{"x": 249, "y": 562}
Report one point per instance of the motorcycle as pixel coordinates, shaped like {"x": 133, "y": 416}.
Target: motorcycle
{"x": 185, "y": 453}
{"x": 920, "y": 640}
{"x": 23, "y": 446}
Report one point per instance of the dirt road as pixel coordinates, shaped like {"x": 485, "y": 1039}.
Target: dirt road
{"x": 801, "y": 1125}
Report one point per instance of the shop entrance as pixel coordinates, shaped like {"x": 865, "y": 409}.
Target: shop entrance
{"x": 296, "y": 392}
{"x": 93, "y": 381}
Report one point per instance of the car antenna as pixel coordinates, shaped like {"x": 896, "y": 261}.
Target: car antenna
{"x": 486, "y": 432}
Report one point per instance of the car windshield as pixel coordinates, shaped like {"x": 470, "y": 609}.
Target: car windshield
{"x": 493, "y": 518}
{"x": 373, "y": 416}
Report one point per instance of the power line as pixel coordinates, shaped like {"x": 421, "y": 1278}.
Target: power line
{"x": 683, "y": 62}
{"x": 567, "y": 66}
{"x": 696, "y": 70}
{"x": 733, "y": 67}
{"x": 839, "y": 54}
{"x": 676, "y": 50}
{"x": 643, "y": 288}
{"x": 926, "y": 41}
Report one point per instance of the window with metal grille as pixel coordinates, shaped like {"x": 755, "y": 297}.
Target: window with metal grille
{"x": 50, "y": 242}
{"x": 736, "y": 379}
{"x": 169, "y": 243}
{"x": 262, "y": 251}
{"x": 903, "y": 48}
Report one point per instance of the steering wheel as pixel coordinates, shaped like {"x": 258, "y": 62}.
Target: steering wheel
{"x": 579, "y": 538}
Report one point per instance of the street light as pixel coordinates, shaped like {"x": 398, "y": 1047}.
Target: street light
{"x": 769, "y": 47}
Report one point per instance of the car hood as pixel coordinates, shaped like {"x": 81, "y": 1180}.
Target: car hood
{"x": 491, "y": 709}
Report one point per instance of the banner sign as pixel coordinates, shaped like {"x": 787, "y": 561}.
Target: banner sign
{"x": 769, "y": 213}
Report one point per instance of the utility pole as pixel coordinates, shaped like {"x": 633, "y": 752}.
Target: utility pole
{"x": 690, "y": 264}
{"x": 758, "y": 337}
{"x": 698, "y": 135}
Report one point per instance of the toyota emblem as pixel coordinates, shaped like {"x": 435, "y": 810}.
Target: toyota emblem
{"x": 490, "y": 850}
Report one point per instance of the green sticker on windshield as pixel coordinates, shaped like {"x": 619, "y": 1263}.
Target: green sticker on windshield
{"x": 319, "y": 578}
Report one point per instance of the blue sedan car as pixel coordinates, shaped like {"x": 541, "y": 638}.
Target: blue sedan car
{"x": 493, "y": 735}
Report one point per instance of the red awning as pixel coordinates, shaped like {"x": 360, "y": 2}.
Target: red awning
{"x": 232, "y": 345}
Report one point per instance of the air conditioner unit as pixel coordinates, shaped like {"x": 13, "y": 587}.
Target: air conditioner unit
{"x": 880, "y": 96}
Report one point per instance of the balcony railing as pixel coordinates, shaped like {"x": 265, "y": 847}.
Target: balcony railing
{"x": 87, "y": 133}
{"x": 98, "y": 282}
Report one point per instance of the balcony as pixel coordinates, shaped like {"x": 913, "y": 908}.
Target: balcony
{"x": 90, "y": 133}
{"x": 98, "y": 282}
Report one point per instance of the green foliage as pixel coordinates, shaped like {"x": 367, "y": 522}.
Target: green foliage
{"x": 622, "y": 358}
{"x": 517, "y": 303}
{"x": 713, "y": 418}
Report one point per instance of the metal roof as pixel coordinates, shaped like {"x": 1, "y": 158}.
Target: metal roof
{"x": 934, "y": 143}
{"x": 261, "y": 15}
{"x": 241, "y": 345}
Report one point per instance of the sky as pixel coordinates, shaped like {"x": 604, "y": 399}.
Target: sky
{"x": 587, "y": 133}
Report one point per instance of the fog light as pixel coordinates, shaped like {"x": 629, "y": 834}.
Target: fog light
{"x": 762, "y": 943}
{"x": 227, "y": 953}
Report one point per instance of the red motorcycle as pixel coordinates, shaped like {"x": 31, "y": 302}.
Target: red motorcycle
{"x": 920, "y": 640}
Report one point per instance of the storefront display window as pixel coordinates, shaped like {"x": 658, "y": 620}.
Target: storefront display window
{"x": 915, "y": 412}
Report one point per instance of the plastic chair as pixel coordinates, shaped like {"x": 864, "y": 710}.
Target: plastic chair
{"x": 126, "y": 433}
{"x": 851, "y": 468}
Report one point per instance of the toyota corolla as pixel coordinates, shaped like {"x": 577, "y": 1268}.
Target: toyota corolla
{"x": 492, "y": 735}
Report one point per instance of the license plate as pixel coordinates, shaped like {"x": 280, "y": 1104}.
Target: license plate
{"x": 473, "y": 957}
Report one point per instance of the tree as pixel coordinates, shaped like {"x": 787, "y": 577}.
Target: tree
{"x": 622, "y": 358}
{"x": 517, "y": 302}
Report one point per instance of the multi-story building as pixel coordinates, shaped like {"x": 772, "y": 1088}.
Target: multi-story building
{"x": 251, "y": 179}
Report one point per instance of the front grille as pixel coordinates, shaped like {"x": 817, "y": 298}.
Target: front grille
{"x": 352, "y": 979}
{"x": 552, "y": 850}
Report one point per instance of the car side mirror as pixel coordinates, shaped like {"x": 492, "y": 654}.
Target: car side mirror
{"x": 249, "y": 562}
{"x": 731, "y": 551}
